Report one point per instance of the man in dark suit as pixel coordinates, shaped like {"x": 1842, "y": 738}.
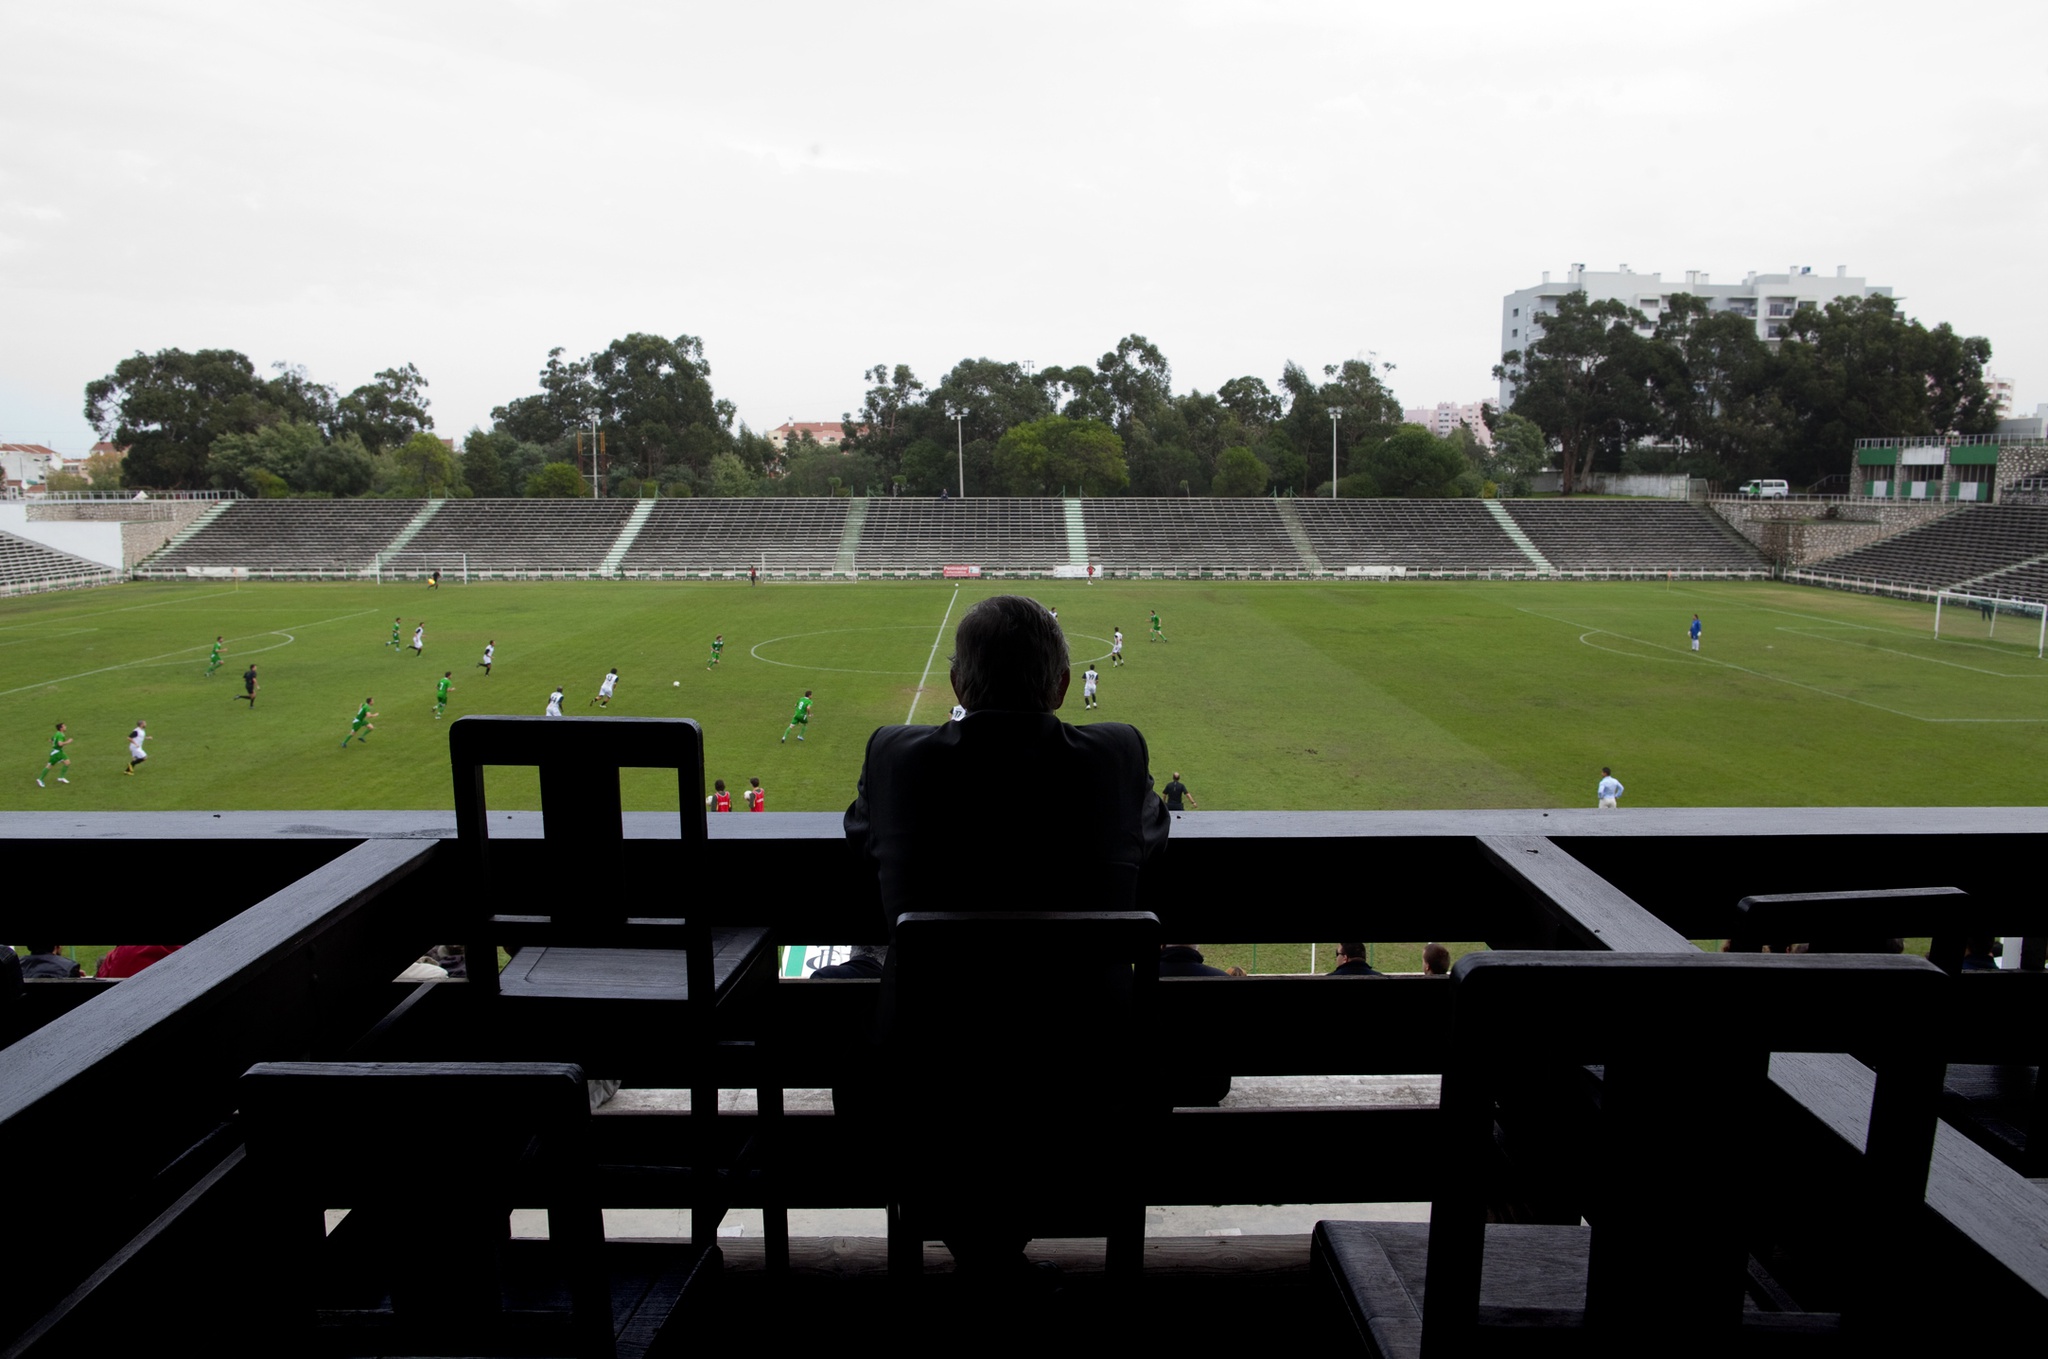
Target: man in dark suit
{"x": 1351, "y": 962}
{"x": 1009, "y": 808}
{"x": 1006, "y": 809}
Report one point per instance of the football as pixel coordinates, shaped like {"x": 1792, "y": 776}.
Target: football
{"x": 677, "y": 683}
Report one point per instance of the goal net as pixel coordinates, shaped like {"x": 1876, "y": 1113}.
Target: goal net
{"x": 403, "y": 565}
{"x": 1970, "y": 615}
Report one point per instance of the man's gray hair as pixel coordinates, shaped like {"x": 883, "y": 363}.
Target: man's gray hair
{"x": 1009, "y": 654}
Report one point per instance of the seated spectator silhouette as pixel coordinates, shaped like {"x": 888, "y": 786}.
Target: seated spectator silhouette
{"x": 1980, "y": 953}
{"x": 1186, "y": 1084}
{"x": 1185, "y": 960}
{"x": 865, "y": 962}
{"x": 125, "y": 960}
{"x": 1436, "y": 960}
{"x": 1004, "y": 810}
{"x": 1351, "y": 962}
{"x": 47, "y": 960}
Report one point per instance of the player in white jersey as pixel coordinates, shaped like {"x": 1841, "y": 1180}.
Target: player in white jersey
{"x": 1088, "y": 679}
{"x": 419, "y": 640}
{"x": 554, "y": 703}
{"x": 604, "y": 689}
{"x": 135, "y": 739}
{"x": 1116, "y": 646}
{"x": 490, "y": 652}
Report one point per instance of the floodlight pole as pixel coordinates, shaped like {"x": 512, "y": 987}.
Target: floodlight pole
{"x": 960, "y": 450}
{"x": 1335, "y": 412}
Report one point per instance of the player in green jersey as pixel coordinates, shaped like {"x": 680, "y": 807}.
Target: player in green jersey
{"x": 1157, "y": 635}
{"x": 58, "y": 760}
{"x": 802, "y": 718}
{"x": 213, "y": 661}
{"x": 397, "y": 629}
{"x": 361, "y": 728}
{"x": 717, "y": 646}
{"x": 441, "y": 692}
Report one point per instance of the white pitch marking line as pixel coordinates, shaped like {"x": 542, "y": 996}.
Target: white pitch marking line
{"x": 940, "y": 637}
{"x": 1778, "y": 679}
{"x": 128, "y": 608}
{"x": 167, "y": 658}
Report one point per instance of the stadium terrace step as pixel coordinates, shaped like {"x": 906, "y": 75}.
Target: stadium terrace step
{"x": 1001, "y": 533}
{"x": 1971, "y": 546}
{"x": 1642, "y": 536}
{"x": 1077, "y": 535}
{"x": 289, "y": 537}
{"x": 411, "y": 530}
{"x": 849, "y": 540}
{"x": 1384, "y": 536}
{"x": 642, "y": 509}
{"x": 1290, "y": 519}
{"x": 27, "y": 567}
{"x": 695, "y": 537}
{"x": 1188, "y": 534}
{"x": 196, "y": 526}
{"x": 1514, "y": 531}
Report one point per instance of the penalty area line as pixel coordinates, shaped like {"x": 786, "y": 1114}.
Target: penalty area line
{"x": 940, "y": 637}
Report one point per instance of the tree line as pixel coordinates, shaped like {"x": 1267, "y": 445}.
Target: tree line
{"x": 1600, "y": 388}
{"x": 1699, "y": 392}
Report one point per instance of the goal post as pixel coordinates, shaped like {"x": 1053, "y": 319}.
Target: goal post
{"x": 1989, "y": 609}
{"x": 404, "y": 565}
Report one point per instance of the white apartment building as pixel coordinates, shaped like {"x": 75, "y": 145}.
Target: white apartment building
{"x": 1768, "y": 299}
{"x": 1446, "y": 416}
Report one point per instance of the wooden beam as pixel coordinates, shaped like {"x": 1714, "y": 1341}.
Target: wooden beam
{"x": 1588, "y": 910}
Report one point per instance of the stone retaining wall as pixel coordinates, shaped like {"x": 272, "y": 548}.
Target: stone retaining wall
{"x": 1794, "y": 533}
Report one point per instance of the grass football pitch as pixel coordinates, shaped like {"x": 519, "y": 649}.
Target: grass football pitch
{"x": 1265, "y": 695}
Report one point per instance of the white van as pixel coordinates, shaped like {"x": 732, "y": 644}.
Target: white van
{"x": 1766, "y": 490}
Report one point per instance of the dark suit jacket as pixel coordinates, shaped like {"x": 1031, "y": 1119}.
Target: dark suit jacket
{"x": 1005, "y": 811}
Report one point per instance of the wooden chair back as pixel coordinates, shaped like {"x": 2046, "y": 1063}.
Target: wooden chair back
{"x": 1686, "y": 1042}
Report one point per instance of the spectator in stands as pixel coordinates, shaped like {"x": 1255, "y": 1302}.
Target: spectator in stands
{"x": 125, "y": 960}
{"x": 1981, "y": 953}
{"x": 1185, "y": 1083}
{"x": 1080, "y": 802}
{"x": 1185, "y": 960}
{"x": 47, "y": 960}
{"x": 450, "y": 958}
{"x": 1436, "y": 960}
{"x": 867, "y": 962}
{"x": 1351, "y": 962}
{"x": 1235, "y": 971}
{"x": 1006, "y": 809}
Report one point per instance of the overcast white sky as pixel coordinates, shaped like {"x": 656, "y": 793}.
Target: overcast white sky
{"x": 814, "y": 188}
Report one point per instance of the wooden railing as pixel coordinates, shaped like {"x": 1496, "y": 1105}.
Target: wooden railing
{"x": 130, "y": 1093}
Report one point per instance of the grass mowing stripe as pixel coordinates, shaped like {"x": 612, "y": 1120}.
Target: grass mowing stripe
{"x": 953, "y": 599}
{"x": 1775, "y": 679}
{"x": 1273, "y": 695}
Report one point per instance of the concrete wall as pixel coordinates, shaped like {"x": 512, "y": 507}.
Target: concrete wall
{"x": 1660, "y": 487}
{"x": 99, "y": 543}
{"x": 145, "y": 525}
